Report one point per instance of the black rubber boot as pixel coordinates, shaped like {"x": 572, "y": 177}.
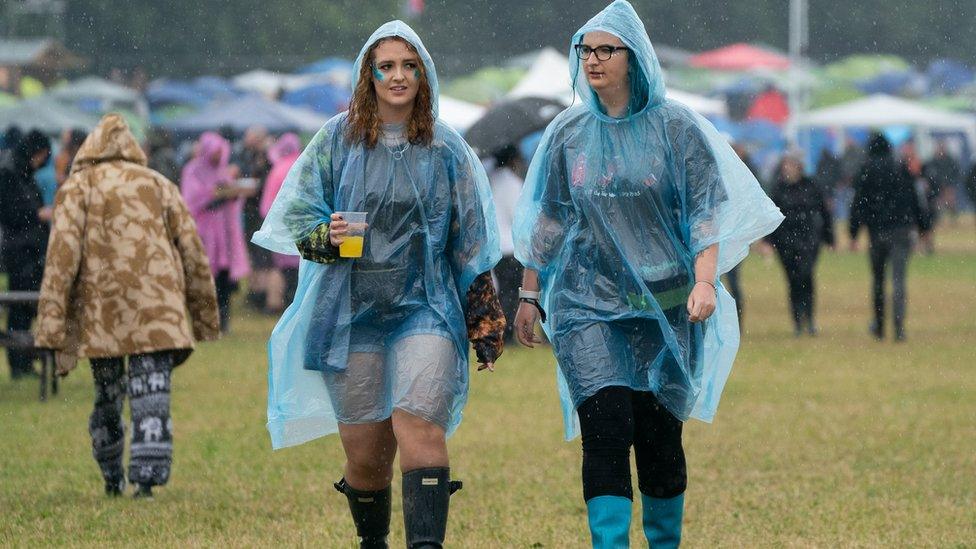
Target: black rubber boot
{"x": 426, "y": 498}
{"x": 370, "y": 512}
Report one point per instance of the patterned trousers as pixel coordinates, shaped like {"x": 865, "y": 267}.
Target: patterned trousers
{"x": 147, "y": 385}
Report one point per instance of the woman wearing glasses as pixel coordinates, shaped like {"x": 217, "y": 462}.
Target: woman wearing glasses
{"x": 375, "y": 345}
{"x": 632, "y": 209}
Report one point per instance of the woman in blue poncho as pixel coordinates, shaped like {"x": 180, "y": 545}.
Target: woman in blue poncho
{"x": 632, "y": 209}
{"x": 376, "y": 347}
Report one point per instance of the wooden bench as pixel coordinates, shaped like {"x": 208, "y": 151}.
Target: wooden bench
{"x": 24, "y": 341}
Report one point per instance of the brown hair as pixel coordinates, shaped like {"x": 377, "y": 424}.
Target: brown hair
{"x": 364, "y": 120}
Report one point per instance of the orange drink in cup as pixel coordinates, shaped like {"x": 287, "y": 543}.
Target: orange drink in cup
{"x": 352, "y": 242}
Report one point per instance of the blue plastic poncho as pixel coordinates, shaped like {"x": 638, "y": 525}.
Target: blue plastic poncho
{"x": 386, "y": 330}
{"x": 612, "y": 215}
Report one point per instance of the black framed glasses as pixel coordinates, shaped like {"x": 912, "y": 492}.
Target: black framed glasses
{"x": 603, "y": 53}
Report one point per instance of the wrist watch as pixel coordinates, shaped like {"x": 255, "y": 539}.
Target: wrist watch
{"x": 529, "y": 294}
{"x": 532, "y": 298}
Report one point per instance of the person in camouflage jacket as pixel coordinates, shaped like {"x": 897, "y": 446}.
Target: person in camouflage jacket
{"x": 126, "y": 275}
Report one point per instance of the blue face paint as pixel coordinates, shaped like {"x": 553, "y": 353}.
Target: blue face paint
{"x": 377, "y": 74}
{"x": 416, "y": 74}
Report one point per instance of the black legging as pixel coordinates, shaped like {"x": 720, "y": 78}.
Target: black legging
{"x": 225, "y": 289}
{"x": 799, "y": 264}
{"x": 613, "y": 420}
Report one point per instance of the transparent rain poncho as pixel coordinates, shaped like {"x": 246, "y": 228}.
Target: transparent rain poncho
{"x": 613, "y": 214}
{"x": 366, "y": 335}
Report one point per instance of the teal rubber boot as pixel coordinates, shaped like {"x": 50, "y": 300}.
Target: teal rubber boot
{"x": 609, "y": 518}
{"x": 662, "y": 521}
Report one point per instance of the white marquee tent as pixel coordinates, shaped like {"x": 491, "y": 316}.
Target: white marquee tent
{"x": 458, "y": 114}
{"x": 881, "y": 111}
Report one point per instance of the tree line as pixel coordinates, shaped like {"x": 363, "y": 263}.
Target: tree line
{"x": 186, "y": 37}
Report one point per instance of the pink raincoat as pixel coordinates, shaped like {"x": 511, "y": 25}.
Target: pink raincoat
{"x": 282, "y": 155}
{"x": 220, "y": 222}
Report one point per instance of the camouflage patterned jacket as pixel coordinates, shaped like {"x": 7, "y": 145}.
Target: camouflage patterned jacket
{"x": 126, "y": 272}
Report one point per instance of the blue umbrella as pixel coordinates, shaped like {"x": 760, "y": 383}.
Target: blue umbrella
{"x": 329, "y": 64}
{"x": 323, "y": 98}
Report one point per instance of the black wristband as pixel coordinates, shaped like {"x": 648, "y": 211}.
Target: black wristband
{"x": 535, "y": 303}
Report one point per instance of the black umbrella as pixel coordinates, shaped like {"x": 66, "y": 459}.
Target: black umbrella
{"x": 508, "y": 122}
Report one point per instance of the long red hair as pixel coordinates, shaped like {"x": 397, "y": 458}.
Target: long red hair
{"x": 364, "y": 120}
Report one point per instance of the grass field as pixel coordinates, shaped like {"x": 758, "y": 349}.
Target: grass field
{"x": 834, "y": 441}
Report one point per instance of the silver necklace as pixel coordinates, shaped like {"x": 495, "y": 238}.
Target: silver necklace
{"x": 396, "y": 150}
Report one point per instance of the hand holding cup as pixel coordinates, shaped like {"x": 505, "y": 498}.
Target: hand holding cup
{"x": 338, "y": 228}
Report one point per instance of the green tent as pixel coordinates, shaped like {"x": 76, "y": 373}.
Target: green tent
{"x": 484, "y": 86}
{"x": 864, "y": 67}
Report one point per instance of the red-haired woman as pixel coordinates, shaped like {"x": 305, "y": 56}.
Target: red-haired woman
{"x": 376, "y": 346}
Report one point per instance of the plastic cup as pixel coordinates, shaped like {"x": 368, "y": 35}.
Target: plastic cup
{"x": 247, "y": 182}
{"x": 352, "y": 242}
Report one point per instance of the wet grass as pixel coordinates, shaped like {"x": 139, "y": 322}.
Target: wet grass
{"x": 831, "y": 441}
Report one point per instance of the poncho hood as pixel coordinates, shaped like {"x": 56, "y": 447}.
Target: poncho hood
{"x": 287, "y": 145}
{"x": 647, "y": 78}
{"x": 400, "y": 29}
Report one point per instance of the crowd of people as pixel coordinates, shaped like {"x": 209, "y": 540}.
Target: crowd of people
{"x": 614, "y": 235}
{"x": 895, "y": 196}
{"x": 230, "y": 192}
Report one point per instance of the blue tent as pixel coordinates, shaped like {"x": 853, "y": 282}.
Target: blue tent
{"x": 323, "y": 98}
{"x": 895, "y": 83}
{"x": 949, "y": 76}
{"x": 197, "y": 93}
{"x": 329, "y": 64}
{"x": 174, "y": 92}
{"x": 216, "y": 87}
{"x": 240, "y": 114}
